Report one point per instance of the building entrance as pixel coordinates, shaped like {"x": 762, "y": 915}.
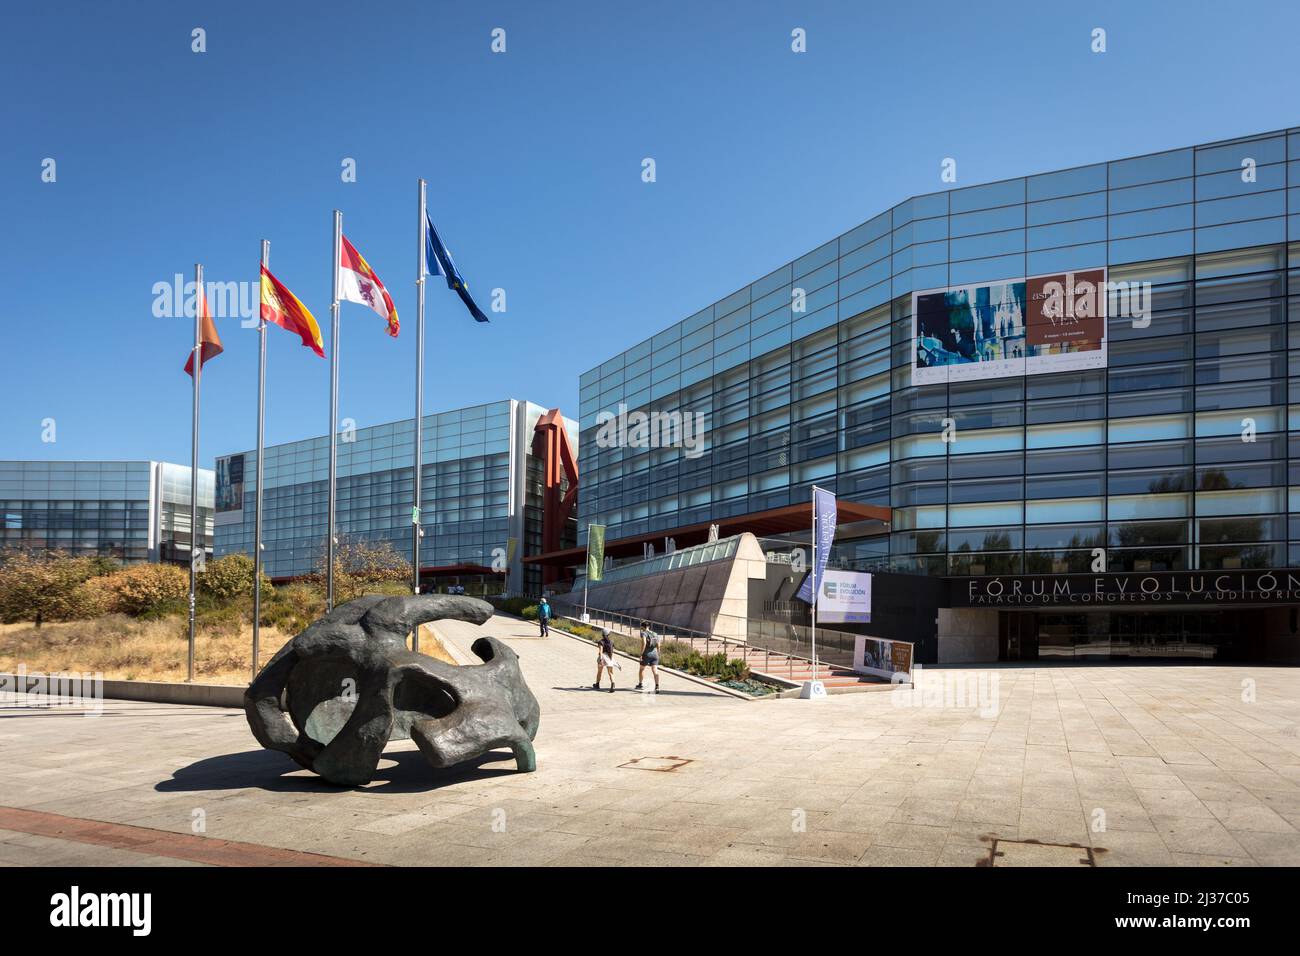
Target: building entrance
{"x": 1233, "y": 635}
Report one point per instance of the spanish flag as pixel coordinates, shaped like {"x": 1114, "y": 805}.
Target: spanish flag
{"x": 358, "y": 283}
{"x": 283, "y": 308}
{"x": 211, "y": 342}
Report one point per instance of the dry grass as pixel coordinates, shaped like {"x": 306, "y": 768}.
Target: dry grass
{"x": 124, "y": 648}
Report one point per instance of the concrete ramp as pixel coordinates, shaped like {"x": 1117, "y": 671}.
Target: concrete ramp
{"x": 706, "y": 591}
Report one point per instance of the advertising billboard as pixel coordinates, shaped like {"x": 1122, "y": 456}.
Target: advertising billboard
{"x": 882, "y": 658}
{"x": 230, "y": 484}
{"x": 845, "y": 597}
{"x": 1030, "y": 326}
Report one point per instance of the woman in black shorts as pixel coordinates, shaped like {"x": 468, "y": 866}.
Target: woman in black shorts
{"x": 649, "y": 656}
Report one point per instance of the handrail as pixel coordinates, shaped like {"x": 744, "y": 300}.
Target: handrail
{"x": 690, "y": 635}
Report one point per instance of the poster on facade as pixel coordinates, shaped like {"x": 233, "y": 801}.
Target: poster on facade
{"x": 230, "y": 484}
{"x": 882, "y": 658}
{"x": 845, "y": 597}
{"x": 1030, "y": 326}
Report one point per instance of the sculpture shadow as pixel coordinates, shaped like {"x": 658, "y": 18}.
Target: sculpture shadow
{"x": 401, "y": 771}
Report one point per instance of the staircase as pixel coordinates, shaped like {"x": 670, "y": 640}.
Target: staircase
{"x": 836, "y": 676}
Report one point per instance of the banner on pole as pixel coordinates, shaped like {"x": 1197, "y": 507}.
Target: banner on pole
{"x": 595, "y": 551}
{"x": 844, "y": 597}
{"x": 824, "y": 508}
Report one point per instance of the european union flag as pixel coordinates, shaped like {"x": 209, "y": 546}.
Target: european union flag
{"x": 438, "y": 263}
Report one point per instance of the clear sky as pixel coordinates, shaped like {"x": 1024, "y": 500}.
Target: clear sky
{"x": 166, "y": 157}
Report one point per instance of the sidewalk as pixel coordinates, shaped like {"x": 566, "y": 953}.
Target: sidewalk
{"x": 1181, "y": 768}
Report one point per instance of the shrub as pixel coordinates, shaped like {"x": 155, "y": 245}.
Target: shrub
{"x": 46, "y": 587}
{"x": 230, "y": 576}
{"x": 679, "y": 656}
{"x": 518, "y": 606}
{"x": 101, "y": 565}
{"x": 220, "y": 617}
{"x": 145, "y": 589}
{"x": 292, "y": 607}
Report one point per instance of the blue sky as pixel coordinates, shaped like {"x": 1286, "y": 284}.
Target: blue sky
{"x": 167, "y": 157}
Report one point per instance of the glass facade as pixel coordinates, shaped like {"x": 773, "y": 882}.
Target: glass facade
{"x": 481, "y": 487}
{"x": 1176, "y": 455}
{"x": 128, "y": 510}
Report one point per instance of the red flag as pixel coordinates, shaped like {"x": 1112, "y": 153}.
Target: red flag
{"x": 211, "y": 342}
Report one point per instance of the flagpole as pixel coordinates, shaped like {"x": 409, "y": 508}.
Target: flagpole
{"x": 196, "y": 542}
{"x": 419, "y": 403}
{"x": 334, "y": 407}
{"x": 586, "y": 577}
{"x": 814, "y": 583}
{"x": 261, "y": 435}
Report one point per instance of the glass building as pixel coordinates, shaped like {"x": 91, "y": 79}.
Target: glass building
{"x": 941, "y": 361}
{"x": 131, "y": 511}
{"x": 481, "y": 497}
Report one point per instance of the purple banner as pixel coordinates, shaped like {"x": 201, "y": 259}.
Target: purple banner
{"x": 824, "y": 508}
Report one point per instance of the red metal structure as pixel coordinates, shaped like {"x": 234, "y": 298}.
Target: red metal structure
{"x": 559, "y": 464}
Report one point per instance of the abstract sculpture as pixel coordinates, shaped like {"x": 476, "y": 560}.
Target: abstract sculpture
{"x": 334, "y": 696}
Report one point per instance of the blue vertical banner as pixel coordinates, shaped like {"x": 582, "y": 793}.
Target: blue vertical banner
{"x": 824, "y": 509}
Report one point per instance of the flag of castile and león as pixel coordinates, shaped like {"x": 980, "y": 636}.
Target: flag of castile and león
{"x": 283, "y": 308}
{"x": 358, "y": 283}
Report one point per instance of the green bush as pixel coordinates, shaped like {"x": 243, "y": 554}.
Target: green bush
{"x": 679, "y": 656}
{"x": 516, "y": 606}
{"x": 101, "y": 565}
{"x": 292, "y": 607}
{"x": 230, "y": 576}
{"x": 216, "y": 616}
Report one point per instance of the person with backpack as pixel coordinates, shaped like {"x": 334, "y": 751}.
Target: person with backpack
{"x": 544, "y": 615}
{"x": 649, "y": 656}
{"x": 605, "y": 660}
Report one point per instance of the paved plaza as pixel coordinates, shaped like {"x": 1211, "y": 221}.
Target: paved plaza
{"x": 1137, "y": 765}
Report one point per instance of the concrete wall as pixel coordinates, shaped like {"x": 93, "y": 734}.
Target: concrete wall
{"x": 712, "y": 598}
{"x": 968, "y": 635}
{"x": 158, "y": 692}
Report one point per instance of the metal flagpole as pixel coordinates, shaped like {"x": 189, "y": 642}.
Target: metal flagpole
{"x": 814, "y": 583}
{"x": 334, "y": 406}
{"x": 261, "y": 435}
{"x": 196, "y": 541}
{"x": 419, "y": 395}
{"x": 417, "y": 471}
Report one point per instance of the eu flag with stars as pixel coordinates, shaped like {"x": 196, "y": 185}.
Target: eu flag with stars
{"x": 438, "y": 263}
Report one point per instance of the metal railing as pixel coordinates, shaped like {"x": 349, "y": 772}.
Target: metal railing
{"x": 762, "y": 640}
{"x": 795, "y": 640}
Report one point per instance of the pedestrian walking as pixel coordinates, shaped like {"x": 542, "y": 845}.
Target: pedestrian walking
{"x": 605, "y": 659}
{"x": 544, "y": 615}
{"x": 649, "y": 656}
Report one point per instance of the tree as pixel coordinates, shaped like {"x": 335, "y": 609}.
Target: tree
{"x": 361, "y": 566}
{"x": 45, "y": 586}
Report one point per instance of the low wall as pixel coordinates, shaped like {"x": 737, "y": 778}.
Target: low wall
{"x": 156, "y": 692}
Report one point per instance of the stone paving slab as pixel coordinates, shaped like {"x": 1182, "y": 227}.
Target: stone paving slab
{"x": 1148, "y": 765}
